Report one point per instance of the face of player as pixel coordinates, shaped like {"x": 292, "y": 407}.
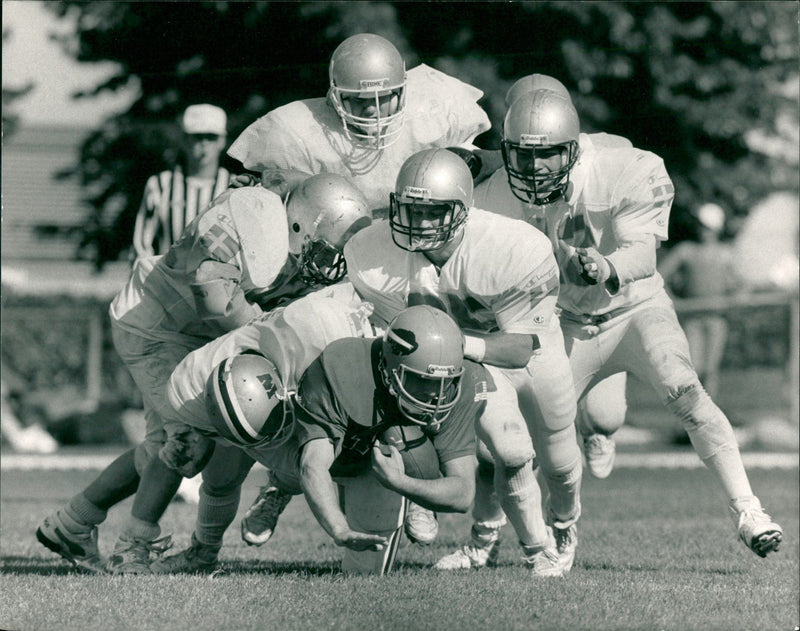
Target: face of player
{"x": 428, "y": 222}
{"x": 427, "y": 400}
{"x": 369, "y": 110}
{"x": 203, "y": 150}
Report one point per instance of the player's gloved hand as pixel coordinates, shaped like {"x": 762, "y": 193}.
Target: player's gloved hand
{"x": 473, "y": 160}
{"x": 595, "y": 269}
{"x": 187, "y": 452}
{"x": 359, "y": 541}
{"x": 243, "y": 179}
{"x": 387, "y": 465}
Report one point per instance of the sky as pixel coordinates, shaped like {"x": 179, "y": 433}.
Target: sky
{"x": 28, "y": 55}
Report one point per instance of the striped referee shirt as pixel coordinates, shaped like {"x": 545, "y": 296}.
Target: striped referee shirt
{"x": 170, "y": 202}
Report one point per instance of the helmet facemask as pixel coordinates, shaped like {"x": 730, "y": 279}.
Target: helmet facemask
{"x": 424, "y": 397}
{"x": 408, "y": 212}
{"x": 321, "y": 262}
{"x": 529, "y": 180}
{"x": 376, "y": 131}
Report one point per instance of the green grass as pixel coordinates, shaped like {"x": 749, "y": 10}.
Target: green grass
{"x": 657, "y": 551}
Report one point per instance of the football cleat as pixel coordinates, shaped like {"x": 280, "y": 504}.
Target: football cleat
{"x": 566, "y": 545}
{"x": 470, "y": 556}
{"x": 599, "y": 451}
{"x": 80, "y": 549}
{"x": 132, "y": 556}
{"x": 197, "y": 558}
{"x": 261, "y": 518}
{"x": 756, "y": 529}
{"x": 545, "y": 563}
{"x": 421, "y": 525}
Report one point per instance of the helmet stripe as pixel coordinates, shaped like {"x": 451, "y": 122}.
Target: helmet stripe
{"x": 232, "y": 413}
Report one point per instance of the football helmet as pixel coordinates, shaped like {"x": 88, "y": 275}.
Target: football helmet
{"x": 533, "y": 82}
{"x": 540, "y": 145}
{"x": 433, "y": 193}
{"x": 323, "y": 212}
{"x": 368, "y": 89}
{"x": 422, "y": 361}
{"x": 247, "y": 402}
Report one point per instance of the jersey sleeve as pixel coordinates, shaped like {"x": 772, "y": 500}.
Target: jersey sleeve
{"x": 641, "y": 204}
{"x": 456, "y": 438}
{"x": 317, "y": 412}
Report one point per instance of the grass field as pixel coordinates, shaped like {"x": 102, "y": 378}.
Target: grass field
{"x": 657, "y": 551}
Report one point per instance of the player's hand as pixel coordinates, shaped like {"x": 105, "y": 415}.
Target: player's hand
{"x": 360, "y": 541}
{"x": 595, "y": 270}
{"x": 387, "y": 465}
{"x": 243, "y": 179}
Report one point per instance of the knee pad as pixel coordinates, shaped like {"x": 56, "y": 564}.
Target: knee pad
{"x": 707, "y": 426}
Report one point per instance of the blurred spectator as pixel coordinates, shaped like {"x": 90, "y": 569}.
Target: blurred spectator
{"x": 173, "y": 198}
{"x": 24, "y": 439}
{"x": 704, "y": 269}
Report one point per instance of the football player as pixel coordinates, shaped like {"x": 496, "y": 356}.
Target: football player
{"x": 606, "y": 210}
{"x": 375, "y": 115}
{"x": 499, "y": 280}
{"x": 410, "y": 389}
{"x": 245, "y": 255}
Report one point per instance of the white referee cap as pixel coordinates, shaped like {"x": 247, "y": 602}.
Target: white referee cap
{"x": 711, "y": 216}
{"x": 205, "y": 119}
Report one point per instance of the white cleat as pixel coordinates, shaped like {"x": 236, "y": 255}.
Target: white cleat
{"x": 756, "y": 529}
{"x": 421, "y": 525}
{"x": 566, "y": 545}
{"x": 599, "y": 451}
{"x": 470, "y": 557}
{"x": 545, "y": 563}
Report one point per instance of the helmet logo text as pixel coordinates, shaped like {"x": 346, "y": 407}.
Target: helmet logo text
{"x": 367, "y": 84}
{"x": 528, "y": 140}
{"x": 417, "y": 191}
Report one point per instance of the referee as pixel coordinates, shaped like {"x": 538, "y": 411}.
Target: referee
{"x": 173, "y": 198}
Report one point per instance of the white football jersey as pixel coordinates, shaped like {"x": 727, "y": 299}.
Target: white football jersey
{"x": 290, "y": 337}
{"x": 245, "y": 233}
{"x": 615, "y": 193}
{"x": 502, "y": 276}
{"x": 307, "y": 135}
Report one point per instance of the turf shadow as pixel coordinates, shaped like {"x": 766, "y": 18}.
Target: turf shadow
{"x": 17, "y": 564}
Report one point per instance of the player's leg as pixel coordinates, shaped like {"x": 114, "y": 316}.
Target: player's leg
{"x": 374, "y": 509}
{"x": 220, "y": 493}
{"x": 716, "y": 337}
{"x": 547, "y": 400}
{"x": 71, "y": 531}
{"x": 150, "y": 363}
{"x": 601, "y": 412}
{"x": 658, "y": 351}
{"x": 488, "y": 519}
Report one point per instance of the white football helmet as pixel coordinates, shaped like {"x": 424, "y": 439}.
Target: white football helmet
{"x": 323, "y": 212}
{"x": 368, "y": 89}
{"x": 433, "y": 194}
{"x": 247, "y": 403}
{"x": 533, "y": 82}
{"x": 422, "y": 361}
{"x": 540, "y": 145}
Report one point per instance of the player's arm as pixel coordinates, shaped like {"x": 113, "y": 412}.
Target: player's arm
{"x": 316, "y": 458}
{"x": 219, "y": 297}
{"x": 451, "y": 493}
{"x": 639, "y": 221}
{"x": 529, "y": 304}
{"x": 146, "y": 225}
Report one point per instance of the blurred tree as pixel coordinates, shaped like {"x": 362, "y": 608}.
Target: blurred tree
{"x": 11, "y": 94}
{"x": 703, "y": 84}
